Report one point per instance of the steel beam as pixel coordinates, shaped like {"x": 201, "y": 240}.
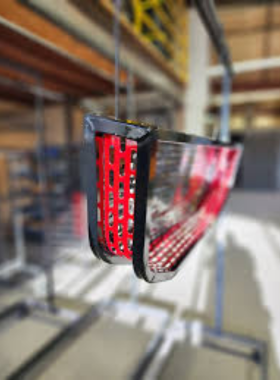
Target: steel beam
{"x": 246, "y": 66}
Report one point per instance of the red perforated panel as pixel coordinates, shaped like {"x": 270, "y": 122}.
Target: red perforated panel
{"x": 183, "y": 219}
{"x": 116, "y": 180}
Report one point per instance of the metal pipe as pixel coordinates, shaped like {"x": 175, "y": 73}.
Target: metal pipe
{"x": 247, "y": 97}
{"x": 207, "y": 12}
{"x": 225, "y": 110}
{"x": 246, "y": 66}
{"x": 19, "y": 238}
{"x": 130, "y": 103}
{"x": 42, "y": 175}
{"x": 117, "y": 31}
{"x": 220, "y": 280}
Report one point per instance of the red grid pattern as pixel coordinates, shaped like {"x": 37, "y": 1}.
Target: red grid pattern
{"x": 116, "y": 181}
{"x": 213, "y": 172}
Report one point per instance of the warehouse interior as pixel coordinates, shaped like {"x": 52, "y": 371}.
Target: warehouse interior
{"x": 64, "y": 314}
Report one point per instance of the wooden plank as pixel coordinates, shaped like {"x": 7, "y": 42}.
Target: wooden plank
{"x": 261, "y": 44}
{"x": 275, "y": 13}
{"x": 18, "y": 140}
{"x": 245, "y": 47}
{"x": 9, "y": 94}
{"x": 85, "y": 28}
{"x": 54, "y": 125}
{"x": 251, "y": 82}
{"x": 47, "y": 83}
{"x": 8, "y": 108}
{"x": 248, "y": 18}
{"x": 274, "y": 39}
{"x": 4, "y": 188}
{"x": 51, "y": 35}
{"x": 239, "y": 18}
{"x": 252, "y": 31}
{"x": 54, "y": 68}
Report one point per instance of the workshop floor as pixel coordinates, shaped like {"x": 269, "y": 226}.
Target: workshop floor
{"x": 251, "y": 232}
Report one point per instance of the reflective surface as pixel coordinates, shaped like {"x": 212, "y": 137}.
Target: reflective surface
{"x": 189, "y": 184}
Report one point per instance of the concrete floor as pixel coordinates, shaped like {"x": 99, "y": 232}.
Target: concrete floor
{"x": 251, "y": 232}
{"x": 110, "y": 350}
{"x": 21, "y": 340}
{"x": 186, "y": 362}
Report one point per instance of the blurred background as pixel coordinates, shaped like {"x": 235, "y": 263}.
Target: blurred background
{"x": 220, "y": 317}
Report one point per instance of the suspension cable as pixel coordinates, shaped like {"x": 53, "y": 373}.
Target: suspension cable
{"x": 118, "y": 4}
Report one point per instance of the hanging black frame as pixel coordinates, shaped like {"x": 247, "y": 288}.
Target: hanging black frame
{"x": 146, "y": 137}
